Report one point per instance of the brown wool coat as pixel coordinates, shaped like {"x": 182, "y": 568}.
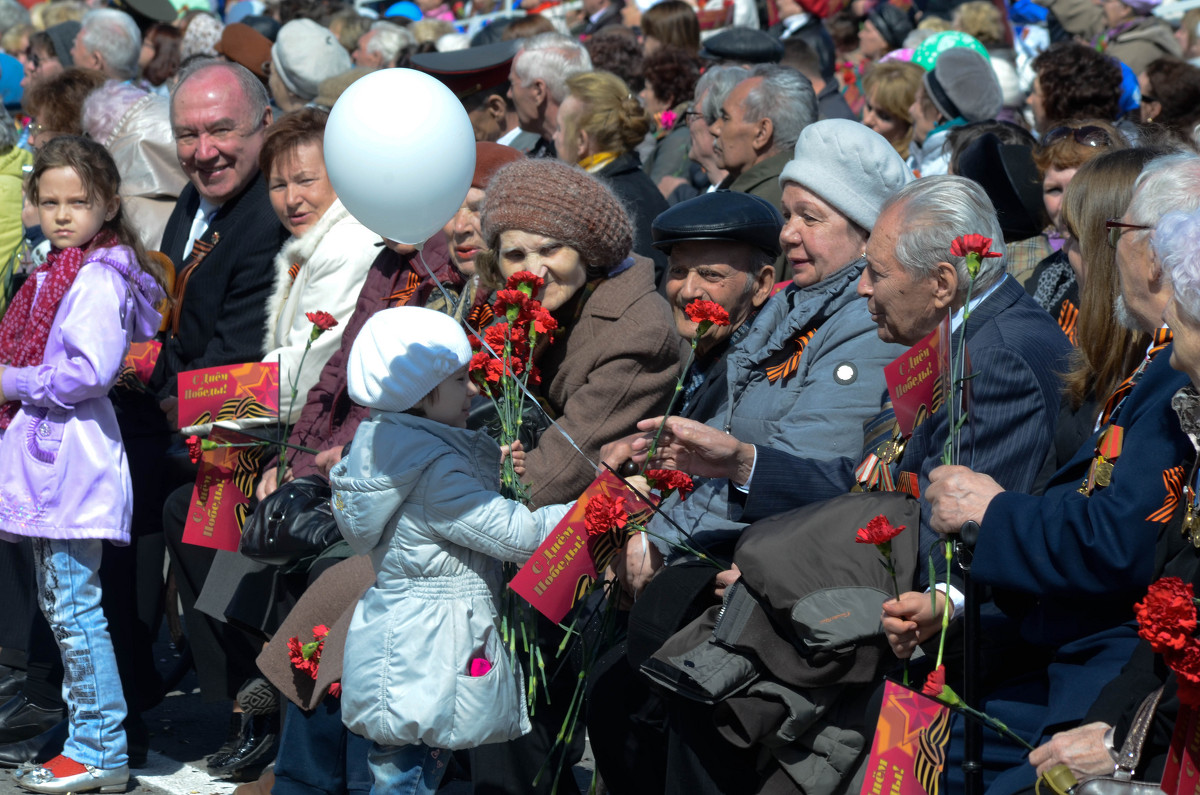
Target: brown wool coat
{"x": 614, "y": 366}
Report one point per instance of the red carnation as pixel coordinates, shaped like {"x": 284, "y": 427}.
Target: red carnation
{"x": 878, "y": 531}
{"x": 604, "y": 514}
{"x": 973, "y": 244}
{"x": 701, "y": 310}
{"x": 335, "y": 690}
{"x": 668, "y": 480}
{"x": 495, "y": 336}
{"x": 1167, "y": 616}
{"x": 512, "y": 304}
{"x": 543, "y": 321}
{"x": 195, "y": 448}
{"x": 935, "y": 683}
{"x": 525, "y": 279}
{"x": 322, "y": 320}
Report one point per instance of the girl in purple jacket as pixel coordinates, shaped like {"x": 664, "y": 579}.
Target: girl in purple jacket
{"x": 64, "y": 479}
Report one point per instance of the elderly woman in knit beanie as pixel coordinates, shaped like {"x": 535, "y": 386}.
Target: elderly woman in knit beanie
{"x": 615, "y": 356}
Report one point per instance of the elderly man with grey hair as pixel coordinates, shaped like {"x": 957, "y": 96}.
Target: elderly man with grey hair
{"x": 538, "y": 83}
{"x": 109, "y": 41}
{"x": 1067, "y": 565}
{"x": 381, "y": 45}
{"x": 757, "y": 127}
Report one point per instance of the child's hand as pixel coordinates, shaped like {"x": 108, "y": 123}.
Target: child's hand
{"x": 516, "y": 451}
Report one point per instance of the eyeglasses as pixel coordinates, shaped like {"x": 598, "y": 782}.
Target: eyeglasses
{"x": 1116, "y": 228}
{"x": 1089, "y": 135}
{"x": 32, "y": 57}
{"x": 691, "y": 115}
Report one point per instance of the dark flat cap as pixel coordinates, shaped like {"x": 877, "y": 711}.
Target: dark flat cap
{"x": 147, "y": 12}
{"x": 721, "y": 215}
{"x": 743, "y": 45}
{"x": 892, "y": 23}
{"x": 469, "y": 71}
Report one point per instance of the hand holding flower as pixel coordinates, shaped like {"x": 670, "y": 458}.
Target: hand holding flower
{"x": 515, "y": 451}
{"x": 910, "y": 620}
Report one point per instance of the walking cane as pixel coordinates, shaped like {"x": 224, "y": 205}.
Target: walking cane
{"x": 973, "y": 738}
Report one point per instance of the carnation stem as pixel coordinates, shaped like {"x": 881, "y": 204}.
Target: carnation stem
{"x": 687, "y": 366}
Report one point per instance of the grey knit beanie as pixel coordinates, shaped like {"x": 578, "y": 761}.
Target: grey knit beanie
{"x": 306, "y": 53}
{"x": 849, "y": 166}
{"x": 550, "y": 198}
{"x": 401, "y": 354}
{"x": 963, "y": 83}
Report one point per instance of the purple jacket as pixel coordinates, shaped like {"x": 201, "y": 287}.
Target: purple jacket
{"x": 64, "y": 473}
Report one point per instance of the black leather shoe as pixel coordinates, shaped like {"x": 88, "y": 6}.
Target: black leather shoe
{"x": 11, "y": 684}
{"x": 232, "y": 740}
{"x": 137, "y": 735}
{"x": 21, "y": 719}
{"x": 256, "y": 743}
{"x": 38, "y": 749}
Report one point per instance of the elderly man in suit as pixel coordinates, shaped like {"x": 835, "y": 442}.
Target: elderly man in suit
{"x": 1068, "y": 565}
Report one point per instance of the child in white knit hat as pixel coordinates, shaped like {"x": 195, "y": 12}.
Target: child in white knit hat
{"x": 425, "y": 671}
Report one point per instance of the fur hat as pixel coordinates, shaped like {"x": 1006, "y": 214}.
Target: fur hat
{"x": 892, "y": 23}
{"x": 550, "y": 198}
{"x": 963, "y": 84}
{"x": 306, "y": 53}
{"x": 849, "y": 166}
{"x": 401, "y": 354}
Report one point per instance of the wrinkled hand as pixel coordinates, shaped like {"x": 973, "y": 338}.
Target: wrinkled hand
{"x": 618, "y": 451}
{"x": 516, "y": 451}
{"x": 697, "y": 449}
{"x": 911, "y": 620}
{"x": 269, "y": 482}
{"x": 170, "y": 407}
{"x": 327, "y": 459}
{"x": 636, "y": 564}
{"x": 957, "y": 496}
{"x": 726, "y": 578}
{"x": 668, "y": 184}
{"x": 1082, "y": 749}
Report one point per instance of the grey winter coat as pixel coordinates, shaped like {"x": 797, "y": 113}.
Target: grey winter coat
{"x": 421, "y": 499}
{"x": 817, "y": 412}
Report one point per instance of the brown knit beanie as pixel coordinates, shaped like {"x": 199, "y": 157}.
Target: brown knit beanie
{"x": 550, "y": 198}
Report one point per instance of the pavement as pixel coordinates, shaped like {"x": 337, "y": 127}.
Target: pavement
{"x": 184, "y": 729}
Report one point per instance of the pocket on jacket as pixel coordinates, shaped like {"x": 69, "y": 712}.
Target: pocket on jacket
{"x": 489, "y": 708}
{"x": 44, "y": 435}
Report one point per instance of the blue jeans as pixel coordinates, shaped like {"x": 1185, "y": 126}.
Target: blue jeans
{"x": 68, "y": 587}
{"x": 318, "y": 755}
{"x": 406, "y": 769}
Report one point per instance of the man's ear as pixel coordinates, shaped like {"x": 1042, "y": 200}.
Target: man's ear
{"x": 764, "y": 134}
{"x": 945, "y": 289}
{"x": 538, "y": 88}
{"x": 764, "y": 282}
{"x": 497, "y": 107}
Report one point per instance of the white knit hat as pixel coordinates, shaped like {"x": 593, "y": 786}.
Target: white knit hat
{"x": 401, "y": 354}
{"x": 849, "y": 166}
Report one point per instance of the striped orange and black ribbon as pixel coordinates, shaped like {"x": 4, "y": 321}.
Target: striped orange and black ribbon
{"x": 293, "y": 271}
{"x": 1173, "y": 482}
{"x": 1162, "y": 338}
{"x": 789, "y": 365}
{"x": 400, "y": 296}
{"x": 1067, "y": 317}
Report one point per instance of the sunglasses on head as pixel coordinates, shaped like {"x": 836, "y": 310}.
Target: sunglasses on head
{"x": 1089, "y": 135}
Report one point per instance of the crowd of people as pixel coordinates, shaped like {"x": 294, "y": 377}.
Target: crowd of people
{"x": 809, "y": 167}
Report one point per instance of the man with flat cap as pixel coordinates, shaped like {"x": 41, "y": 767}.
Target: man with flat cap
{"x": 478, "y": 76}
{"x": 742, "y": 47}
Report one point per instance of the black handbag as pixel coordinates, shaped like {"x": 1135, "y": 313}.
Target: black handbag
{"x": 294, "y": 522}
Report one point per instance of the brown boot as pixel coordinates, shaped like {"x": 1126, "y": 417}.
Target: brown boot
{"x": 260, "y": 787}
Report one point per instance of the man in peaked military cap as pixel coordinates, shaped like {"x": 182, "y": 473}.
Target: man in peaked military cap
{"x": 478, "y": 76}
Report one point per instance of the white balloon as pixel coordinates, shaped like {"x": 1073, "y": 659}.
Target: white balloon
{"x": 400, "y": 152}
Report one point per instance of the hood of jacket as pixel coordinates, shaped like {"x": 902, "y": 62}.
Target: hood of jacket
{"x": 1152, "y": 30}
{"x": 13, "y": 161}
{"x": 390, "y": 454}
{"x": 145, "y": 290}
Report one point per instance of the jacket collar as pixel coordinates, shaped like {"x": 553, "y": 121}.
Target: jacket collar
{"x": 759, "y": 173}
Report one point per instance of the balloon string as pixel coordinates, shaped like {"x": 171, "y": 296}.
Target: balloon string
{"x": 477, "y": 335}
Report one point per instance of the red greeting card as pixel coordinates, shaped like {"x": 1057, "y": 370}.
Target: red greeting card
{"x": 1181, "y": 775}
{"x": 914, "y": 379}
{"x": 221, "y": 496}
{"x": 234, "y": 391}
{"x": 564, "y": 567}
{"x": 908, "y": 753}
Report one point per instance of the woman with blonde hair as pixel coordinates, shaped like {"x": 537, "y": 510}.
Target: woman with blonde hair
{"x": 890, "y": 88}
{"x": 599, "y": 125}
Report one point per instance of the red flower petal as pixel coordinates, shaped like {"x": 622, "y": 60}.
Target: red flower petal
{"x": 322, "y": 320}
{"x": 701, "y": 310}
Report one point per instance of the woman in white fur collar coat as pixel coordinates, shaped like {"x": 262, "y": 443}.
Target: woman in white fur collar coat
{"x": 322, "y": 267}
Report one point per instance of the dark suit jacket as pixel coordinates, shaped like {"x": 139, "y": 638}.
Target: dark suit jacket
{"x": 222, "y": 305}
{"x": 1017, "y": 352}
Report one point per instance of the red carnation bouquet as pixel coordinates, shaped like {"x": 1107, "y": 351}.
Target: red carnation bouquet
{"x": 503, "y": 365}
{"x": 1167, "y": 621}
{"x": 306, "y": 657}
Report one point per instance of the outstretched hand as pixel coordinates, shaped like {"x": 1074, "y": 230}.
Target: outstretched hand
{"x": 695, "y": 448}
